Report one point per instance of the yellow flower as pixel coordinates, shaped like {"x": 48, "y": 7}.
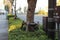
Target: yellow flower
{"x": 12, "y": 27}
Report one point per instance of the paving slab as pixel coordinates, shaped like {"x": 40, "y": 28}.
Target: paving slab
{"x": 3, "y": 27}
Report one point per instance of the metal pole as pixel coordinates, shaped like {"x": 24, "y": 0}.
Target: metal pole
{"x": 56, "y": 24}
{"x": 59, "y": 32}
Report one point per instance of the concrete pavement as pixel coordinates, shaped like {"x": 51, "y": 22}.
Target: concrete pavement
{"x": 3, "y": 27}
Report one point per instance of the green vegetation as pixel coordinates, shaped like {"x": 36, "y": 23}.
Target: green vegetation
{"x": 14, "y": 23}
{"x": 22, "y": 35}
{"x": 15, "y": 33}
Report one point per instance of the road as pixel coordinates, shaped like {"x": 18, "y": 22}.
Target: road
{"x": 3, "y": 27}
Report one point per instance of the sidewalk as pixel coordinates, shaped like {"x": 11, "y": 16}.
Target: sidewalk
{"x": 3, "y": 28}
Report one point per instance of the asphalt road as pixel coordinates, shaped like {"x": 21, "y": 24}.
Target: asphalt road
{"x": 3, "y": 27}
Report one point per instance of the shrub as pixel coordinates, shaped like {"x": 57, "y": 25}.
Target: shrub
{"x": 10, "y": 15}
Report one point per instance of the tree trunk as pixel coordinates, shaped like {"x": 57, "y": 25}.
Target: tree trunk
{"x": 31, "y": 9}
{"x": 15, "y": 10}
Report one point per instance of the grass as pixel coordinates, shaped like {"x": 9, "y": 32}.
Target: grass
{"x": 14, "y": 23}
{"x": 22, "y": 35}
{"x": 15, "y": 33}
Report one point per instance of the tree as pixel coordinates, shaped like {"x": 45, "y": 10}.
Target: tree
{"x": 31, "y": 10}
{"x": 11, "y": 1}
{"x": 6, "y": 8}
{"x": 19, "y": 9}
{"x": 25, "y": 9}
{"x": 15, "y": 10}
